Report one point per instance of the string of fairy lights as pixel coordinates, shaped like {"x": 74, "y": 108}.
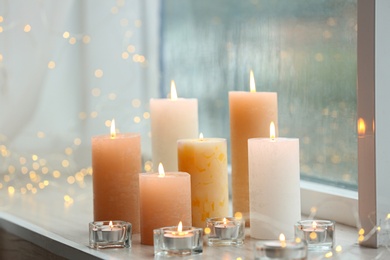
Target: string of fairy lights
{"x": 27, "y": 173}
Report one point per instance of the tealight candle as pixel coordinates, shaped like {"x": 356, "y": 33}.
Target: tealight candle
{"x": 109, "y": 234}
{"x": 177, "y": 240}
{"x": 225, "y": 231}
{"x": 319, "y": 234}
{"x": 281, "y": 249}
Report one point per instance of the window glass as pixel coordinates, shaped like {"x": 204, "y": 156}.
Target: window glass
{"x": 303, "y": 50}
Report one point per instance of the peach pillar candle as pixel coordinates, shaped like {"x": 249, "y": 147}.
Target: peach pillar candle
{"x": 250, "y": 116}
{"x": 165, "y": 200}
{"x": 274, "y": 186}
{"x": 205, "y": 159}
{"x": 116, "y": 163}
{"x": 171, "y": 119}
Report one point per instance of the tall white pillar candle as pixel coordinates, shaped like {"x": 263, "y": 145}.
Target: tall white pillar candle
{"x": 171, "y": 119}
{"x": 274, "y": 188}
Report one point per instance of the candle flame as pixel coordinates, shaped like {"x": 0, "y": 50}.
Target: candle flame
{"x": 112, "y": 129}
{"x": 110, "y": 224}
{"x": 201, "y": 136}
{"x": 161, "y": 172}
{"x": 314, "y": 225}
{"x": 272, "y": 131}
{"x": 252, "y": 84}
{"x": 173, "y": 90}
{"x": 282, "y": 239}
{"x": 361, "y": 126}
{"x": 224, "y": 221}
{"x": 180, "y": 227}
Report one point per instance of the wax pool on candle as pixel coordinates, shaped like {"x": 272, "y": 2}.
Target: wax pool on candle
{"x": 171, "y": 119}
{"x": 164, "y": 201}
{"x": 274, "y": 186}
{"x": 205, "y": 159}
{"x": 116, "y": 163}
{"x": 250, "y": 116}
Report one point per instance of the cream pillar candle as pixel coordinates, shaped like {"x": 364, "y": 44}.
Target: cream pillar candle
{"x": 165, "y": 200}
{"x": 171, "y": 119}
{"x": 274, "y": 186}
{"x": 116, "y": 163}
{"x": 250, "y": 116}
{"x": 205, "y": 159}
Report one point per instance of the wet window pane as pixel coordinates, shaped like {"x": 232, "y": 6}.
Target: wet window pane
{"x": 303, "y": 50}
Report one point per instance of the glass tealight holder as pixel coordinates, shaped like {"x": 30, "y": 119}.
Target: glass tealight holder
{"x": 281, "y": 250}
{"x": 169, "y": 241}
{"x": 227, "y": 231}
{"x": 109, "y": 234}
{"x": 319, "y": 234}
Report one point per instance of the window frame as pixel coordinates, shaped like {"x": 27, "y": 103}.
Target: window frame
{"x": 374, "y": 145}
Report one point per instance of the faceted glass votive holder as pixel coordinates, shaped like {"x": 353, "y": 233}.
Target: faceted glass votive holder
{"x": 227, "y": 231}
{"x": 109, "y": 234}
{"x": 169, "y": 241}
{"x": 281, "y": 250}
{"x": 319, "y": 234}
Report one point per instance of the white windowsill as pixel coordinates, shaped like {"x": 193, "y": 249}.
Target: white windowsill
{"x": 44, "y": 220}
{"x": 329, "y": 202}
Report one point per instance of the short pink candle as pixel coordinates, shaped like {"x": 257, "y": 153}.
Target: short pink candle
{"x": 165, "y": 200}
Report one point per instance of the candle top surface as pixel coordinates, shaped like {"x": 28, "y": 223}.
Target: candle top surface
{"x": 173, "y": 100}
{"x": 277, "y": 139}
{"x": 167, "y": 175}
{"x": 202, "y": 140}
{"x": 249, "y": 92}
{"x": 118, "y": 136}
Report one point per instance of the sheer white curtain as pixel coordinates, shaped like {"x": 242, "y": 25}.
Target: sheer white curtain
{"x": 66, "y": 69}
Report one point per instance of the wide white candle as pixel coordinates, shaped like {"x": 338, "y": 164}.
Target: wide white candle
{"x": 250, "y": 116}
{"x": 165, "y": 199}
{"x": 171, "y": 119}
{"x": 274, "y": 187}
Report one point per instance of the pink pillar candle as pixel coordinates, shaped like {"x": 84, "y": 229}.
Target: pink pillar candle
{"x": 116, "y": 163}
{"x": 164, "y": 201}
{"x": 250, "y": 116}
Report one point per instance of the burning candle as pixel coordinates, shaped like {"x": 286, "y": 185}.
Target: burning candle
{"x": 177, "y": 240}
{"x": 227, "y": 231}
{"x": 281, "y": 249}
{"x": 104, "y": 234}
{"x": 274, "y": 185}
{"x": 250, "y": 116}
{"x": 171, "y": 119}
{"x": 165, "y": 199}
{"x": 116, "y": 163}
{"x": 205, "y": 159}
{"x": 319, "y": 234}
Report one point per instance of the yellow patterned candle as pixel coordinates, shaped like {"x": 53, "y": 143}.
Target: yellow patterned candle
{"x": 205, "y": 159}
